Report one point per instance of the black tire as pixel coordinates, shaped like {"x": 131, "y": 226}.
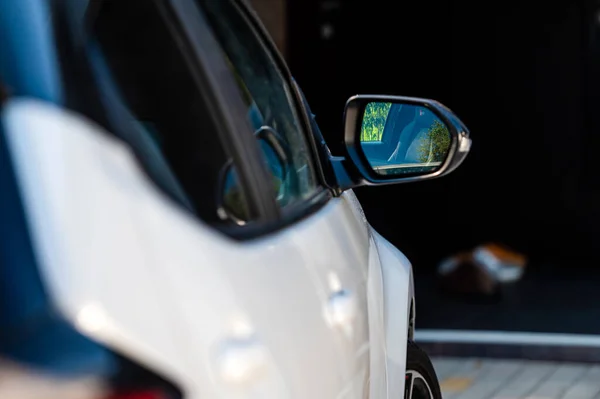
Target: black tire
{"x": 418, "y": 366}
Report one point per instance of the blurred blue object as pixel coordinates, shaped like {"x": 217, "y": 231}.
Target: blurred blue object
{"x": 27, "y": 54}
{"x": 31, "y": 330}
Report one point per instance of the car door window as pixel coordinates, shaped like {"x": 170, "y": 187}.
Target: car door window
{"x": 150, "y": 65}
{"x": 269, "y": 100}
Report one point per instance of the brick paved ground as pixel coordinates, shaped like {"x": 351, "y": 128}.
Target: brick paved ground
{"x": 516, "y": 379}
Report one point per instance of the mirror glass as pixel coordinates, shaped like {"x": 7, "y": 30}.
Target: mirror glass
{"x": 400, "y": 139}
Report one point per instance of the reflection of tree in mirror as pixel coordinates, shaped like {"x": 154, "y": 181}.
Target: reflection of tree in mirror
{"x": 435, "y": 145}
{"x": 374, "y": 121}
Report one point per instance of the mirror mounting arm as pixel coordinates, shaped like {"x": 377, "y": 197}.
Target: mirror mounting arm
{"x": 344, "y": 179}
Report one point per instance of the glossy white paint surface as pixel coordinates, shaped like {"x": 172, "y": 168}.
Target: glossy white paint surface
{"x": 313, "y": 311}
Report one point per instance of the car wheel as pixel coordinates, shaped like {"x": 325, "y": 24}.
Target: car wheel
{"x": 421, "y": 380}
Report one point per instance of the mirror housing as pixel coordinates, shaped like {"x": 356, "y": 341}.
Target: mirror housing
{"x": 367, "y": 171}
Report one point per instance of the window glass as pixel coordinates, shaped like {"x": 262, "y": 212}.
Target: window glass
{"x": 268, "y": 97}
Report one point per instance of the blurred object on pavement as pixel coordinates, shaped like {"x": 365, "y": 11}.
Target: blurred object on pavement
{"x": 481, "y": 271}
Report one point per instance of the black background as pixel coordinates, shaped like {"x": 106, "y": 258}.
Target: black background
{"x": 521, "y": 75}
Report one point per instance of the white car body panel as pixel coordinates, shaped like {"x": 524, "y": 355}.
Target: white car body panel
{"x": 219, "y": 318}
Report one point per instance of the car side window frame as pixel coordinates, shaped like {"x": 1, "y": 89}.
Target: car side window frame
{"x": 219, "y": 81}
{"x": 319, "y": 152}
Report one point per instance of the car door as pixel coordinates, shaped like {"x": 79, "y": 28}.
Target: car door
{"x": 174, "y": 123}
{"x": 330, "y": 234}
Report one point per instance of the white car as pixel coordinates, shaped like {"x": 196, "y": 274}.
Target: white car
{"x": 173, "y": 224}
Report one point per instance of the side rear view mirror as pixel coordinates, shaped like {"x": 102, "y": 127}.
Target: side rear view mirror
{"x": 392, "y": 139}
